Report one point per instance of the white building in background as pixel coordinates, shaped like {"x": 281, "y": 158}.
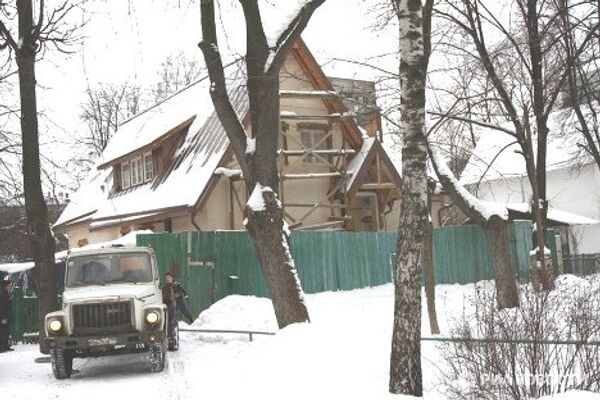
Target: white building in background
{"x": 496, "y": 172}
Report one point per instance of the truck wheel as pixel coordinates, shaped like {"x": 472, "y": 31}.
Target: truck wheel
{"x": 62, "y": 363}
{"x": 157, "y": 355}
{"x": 174, "y": 339}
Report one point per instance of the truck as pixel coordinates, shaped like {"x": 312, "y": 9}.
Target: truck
{"x": 112, "y": 304}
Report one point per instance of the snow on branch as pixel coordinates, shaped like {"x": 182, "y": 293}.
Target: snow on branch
{"x": 469, "y": 204}
{"x": 256, "y": 202}
{"x": 290, "y": 29}
{"x": 230, "y": 173}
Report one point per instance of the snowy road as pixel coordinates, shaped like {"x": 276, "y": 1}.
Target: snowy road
{"x": 342, "y": 354}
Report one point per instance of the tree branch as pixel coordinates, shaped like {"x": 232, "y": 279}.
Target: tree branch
{"x": 218, "y": 90}
{"x": 291, "y": 34}
{"x": 474, "y": 122}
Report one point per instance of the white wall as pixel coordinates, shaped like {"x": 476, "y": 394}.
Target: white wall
{"x": 574, "y": 191}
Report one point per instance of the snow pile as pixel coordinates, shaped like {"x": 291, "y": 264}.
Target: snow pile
{"x": 236, "y": 313}
{"x": 342, "y": 354}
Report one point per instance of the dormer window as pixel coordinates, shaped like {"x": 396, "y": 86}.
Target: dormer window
{"x": 137, "y": 170}
{"x": 125, "y": 176}
{"x": 148, "y": 167}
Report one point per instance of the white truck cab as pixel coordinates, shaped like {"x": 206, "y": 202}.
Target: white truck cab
{"x": 112, "y": 304}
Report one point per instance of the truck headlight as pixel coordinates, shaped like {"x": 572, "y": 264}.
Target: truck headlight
{"x": 152, "y": 317}
{"x": 55, "y": 325}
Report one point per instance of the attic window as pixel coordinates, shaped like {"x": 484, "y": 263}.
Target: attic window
{"x": 137, "y": 170}
{"x": 148, "y": 167}
{"x": 125, "y": 177}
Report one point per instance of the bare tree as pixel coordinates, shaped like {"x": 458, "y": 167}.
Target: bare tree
{"x": 104, "y": 109}
{"x": 257, "y": 154}
{"x": 524, "y": 83}
{"x": 25, "y": 42}
{"x": 175, "y": 73}
{"x": 495, "y": 225}
{"x": 414, "y": 21}
{"x": 583, "y": 82}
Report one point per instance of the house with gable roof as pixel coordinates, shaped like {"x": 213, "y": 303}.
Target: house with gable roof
{"x": 171, "y": 168}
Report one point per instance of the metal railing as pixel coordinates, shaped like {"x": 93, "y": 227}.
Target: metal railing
{"x": 239, "y": 332}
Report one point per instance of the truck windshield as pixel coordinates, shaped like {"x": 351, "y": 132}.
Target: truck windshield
{"x": 103, "y": 269}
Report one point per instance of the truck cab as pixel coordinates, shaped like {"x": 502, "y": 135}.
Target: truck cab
{"x": 112, "y": 304}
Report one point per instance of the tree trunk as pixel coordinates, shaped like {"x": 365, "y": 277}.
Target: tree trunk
{"x": 405, "y": 361}
{"x": 541, "y": 275}
{"x": 539, "y": 206}
{"x": 40, "y": 236}
{"x": 507, "y": 294}
{"x": 427, "y": 259}
{"x": 266, "y": 229}
{"x": 495, "y": 231}
{"x": 265, "y": 223}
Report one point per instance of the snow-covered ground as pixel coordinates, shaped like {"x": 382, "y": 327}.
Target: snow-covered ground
{"x": 342, "y": 354}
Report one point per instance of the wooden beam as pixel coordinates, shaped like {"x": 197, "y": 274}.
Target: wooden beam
{"x": 332, "y": 152}
{"x": 377, "y": 186}
{"x": 324, "y": 225}
{"x": 326, "y": 118}
{"x": 306, "y": 94}
{"x": 310, "y": 205}
{"x": 316, "y": 175}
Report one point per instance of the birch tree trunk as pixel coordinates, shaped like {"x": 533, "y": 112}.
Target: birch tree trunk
{"x": 405, "y": 362}
{"x": 40, "y": 236}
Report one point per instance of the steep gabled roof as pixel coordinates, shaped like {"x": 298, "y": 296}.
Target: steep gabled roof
{"x": 359, "y": 165}
{"x": 202, "y": 147}
{"x": 190, "y": 177}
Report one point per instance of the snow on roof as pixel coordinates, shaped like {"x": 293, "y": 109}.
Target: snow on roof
{"x": 151, "y": 124}
{"x": 357, "y": 161}
{"x": 497, "y": 155}
{"x": 14, "y": 268}
{"x": 394, "y": 152}
{"x": 555, "y": 214}
{"x": 85, "y": 200}
{"x": 203, "y": 147}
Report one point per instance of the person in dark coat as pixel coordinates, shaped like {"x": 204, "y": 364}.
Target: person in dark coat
{"x": 179, "y": 295}
{"x": 5, "y": 315}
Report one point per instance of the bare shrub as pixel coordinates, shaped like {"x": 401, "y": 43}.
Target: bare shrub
{"x": 544, "y": 347}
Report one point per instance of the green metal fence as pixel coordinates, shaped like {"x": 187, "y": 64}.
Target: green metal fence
{"x": 582, "y": 264}
{"x": 24, "y": 314}
{"x": 222, "y": 263}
